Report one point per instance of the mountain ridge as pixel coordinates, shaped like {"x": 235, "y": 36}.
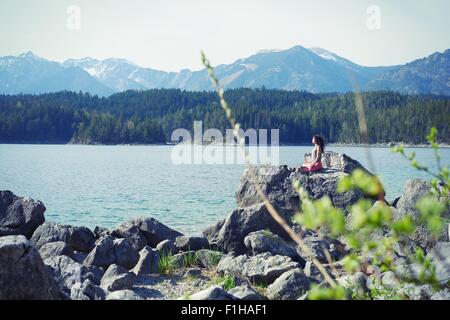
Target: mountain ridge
{"x": 298, "y": 68}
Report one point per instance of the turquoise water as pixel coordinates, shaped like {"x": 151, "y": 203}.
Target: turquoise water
{"x": 106, "y": 185}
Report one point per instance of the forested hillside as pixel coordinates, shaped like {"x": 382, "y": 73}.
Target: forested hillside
{"x": 151, "y": 116}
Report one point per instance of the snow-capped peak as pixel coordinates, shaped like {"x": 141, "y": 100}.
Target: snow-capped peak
{"x": 327, "y": 55}
{"x": 29, "y": 55}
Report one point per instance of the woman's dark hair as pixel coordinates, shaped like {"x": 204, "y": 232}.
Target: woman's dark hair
{"x": 320, "y": 142}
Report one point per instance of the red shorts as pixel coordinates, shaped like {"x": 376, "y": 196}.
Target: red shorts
{"x": 311, "y": 167}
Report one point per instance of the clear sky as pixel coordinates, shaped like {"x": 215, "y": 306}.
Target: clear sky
{"x": 169, "y": 34}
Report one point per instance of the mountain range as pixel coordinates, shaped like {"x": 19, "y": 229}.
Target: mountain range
{"x": 298, "y": 68}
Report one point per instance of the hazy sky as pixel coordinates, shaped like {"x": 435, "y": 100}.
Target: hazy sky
{"x": 169, "y": 35}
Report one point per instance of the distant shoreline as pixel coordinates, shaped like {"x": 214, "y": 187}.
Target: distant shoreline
{"x": 348, "y": 145}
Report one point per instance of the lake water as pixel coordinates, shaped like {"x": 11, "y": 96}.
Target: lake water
{"x": 106, "y": 185}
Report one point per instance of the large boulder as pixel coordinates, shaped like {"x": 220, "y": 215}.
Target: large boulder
{"x": 262, "y": 268}
{"x": 68, "y": 272}
{"x": 272, "y": 180}
{"x": 413, "y": 191}
{"x": 109, "y": 251}
{"x": 240, "y": 223}
{"x": 117, "y": 278}
{"x": 19, "y": 216}
{"x": 23, "y": 274}
{"x": 277, "y": 185}
{"x": 289, "y": 286}
{"x": 79, "y": 238}
{"x": 145, "y": 231}
{"x": 148, "y": 261}
{"x": 264, "y": 241}
{"x": 440, "y": 255}
{"x": 339, "y": 162}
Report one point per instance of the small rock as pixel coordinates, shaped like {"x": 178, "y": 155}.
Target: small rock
{"x": 53, "y": 249}
{"x": 86, "y": 291}
{"x": 245, "y": 292}
{"x": 389, "y": 279}
{"x": 117, "y": 278}
{"x": 123, "y": 295}
{"x": 109, "y": 251}
{"x": 189, "y": 243}
{"x": 265, "y": 241}
{"x": 166, "y": 247}
{"x": 101, "y": 232}
{"x": 148, "y": 261}
{"x": 263, "y": 268}
{"x": 289, "y": 286}
{"x": 185, "y": 259}
{"x": 193, "y": 272}
{"x": 208, "y": 258}
{"x": 212, "y": 293}
{"x": 441, "y": 295}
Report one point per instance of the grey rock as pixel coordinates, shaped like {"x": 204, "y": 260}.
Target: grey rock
{"x": 440, "y": 255}
{"x": 117, "y": 278}
{"x": 79, "y": 238}
{"x": 212, "y": 231}
{"x": 314, "y": 273}
{"x": 148, "y": 261}
{"x": 166, "y": 247}
{"x": 101, "y": 232}
{"x": 53, "y": 249}
{"x": 270, "y": 179}
{"x": 289, "y": 286}
{"x": 414, "y": 190}
{"x": 187, "y": 243}
{"x": 19, "y": 216}
{"x": 208, "y": 258}
{"x": 240, "y": 223}
{"x": 441, "y": 295}
{"x": 86, "y": 291}
{"x": 185, "y": 259}
{"x": 245, "y": 292}
{"x": 339, "y": 162}
{"x": 262, "y": 268}
{"x": 317, "y": 245}
{"x": 123, "y": 295}
{"x": 212, "y": 293}
{"x": 193, "y": 272}
{"x": 389, "y": 279}
{"x": 23, "y": 274}
{"x": 264, "y": 241}
{"x": 109, "y": 251}
{"x": 78, "y": 256}
{"x": 67, "y": 272}
{"x": 145, "y": 231}
{"x": 277, "y": 185}
{"x": 357, "y": 282}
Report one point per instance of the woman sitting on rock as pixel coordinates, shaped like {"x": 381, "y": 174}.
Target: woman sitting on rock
{"x": 316, "y": 163}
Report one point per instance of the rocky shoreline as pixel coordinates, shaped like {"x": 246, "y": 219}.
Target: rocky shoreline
{"x": 246, "y": 255}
